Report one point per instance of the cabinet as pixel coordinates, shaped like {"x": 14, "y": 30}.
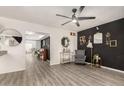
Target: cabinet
{"x": 43, "y": 54}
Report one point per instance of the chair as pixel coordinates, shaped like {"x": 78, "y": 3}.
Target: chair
{"x": 80, "y": 56}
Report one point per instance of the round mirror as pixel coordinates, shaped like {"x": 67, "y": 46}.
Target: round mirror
{"x": 11, "y": 37}
{"x": 65, "y": 41}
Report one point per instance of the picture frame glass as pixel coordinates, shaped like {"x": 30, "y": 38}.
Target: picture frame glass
{"x": 98, "y": 38}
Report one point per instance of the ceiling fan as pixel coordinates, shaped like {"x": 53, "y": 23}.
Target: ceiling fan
{"x": 75, "y": 17}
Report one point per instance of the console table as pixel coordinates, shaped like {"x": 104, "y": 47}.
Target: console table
{"x": 66, "y": 57}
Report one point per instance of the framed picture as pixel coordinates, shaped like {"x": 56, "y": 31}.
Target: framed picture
{"x": 98, "y": 38}
{"x": 113, "y": 43}
{"x": 82, "y": 40}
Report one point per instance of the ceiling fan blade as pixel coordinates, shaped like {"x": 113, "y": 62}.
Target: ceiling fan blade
{"x": 77, "y": 23}
{"x": 85, "y": 18}
{"x": 81, "y": 9}
{"x": 63, "y": 16}
{"x": 67, "y": 22}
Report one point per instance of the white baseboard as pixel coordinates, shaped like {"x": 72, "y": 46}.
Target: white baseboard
{"x": 101, "y": 67}
{"x": 22, "y": 69}
{"x": 109, "y": 68}
{"x": 112, "y": 69}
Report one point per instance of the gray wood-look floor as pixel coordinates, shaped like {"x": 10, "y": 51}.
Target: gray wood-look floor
{"x": 40, "y": 73}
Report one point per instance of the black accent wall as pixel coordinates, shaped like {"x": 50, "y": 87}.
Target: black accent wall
{"x": 112, "y": 57}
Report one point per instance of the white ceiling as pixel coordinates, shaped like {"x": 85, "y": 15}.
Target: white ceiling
{"x": 46, "y": 15}
{"x": 35, "y": 35}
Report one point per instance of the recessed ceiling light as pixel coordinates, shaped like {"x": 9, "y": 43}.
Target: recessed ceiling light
{"x": 41, "y": 36}
{"x": 33, "y": 35}
{"x": 29, "y": 33}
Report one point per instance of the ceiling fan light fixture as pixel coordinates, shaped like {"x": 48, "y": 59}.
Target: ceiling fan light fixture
{"x": 74, "y": 20}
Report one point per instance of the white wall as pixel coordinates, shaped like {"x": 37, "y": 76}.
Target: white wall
{"x": 16, "y": 59}
{"x": 35, "y": 44}
{"x": 38, "y": 44}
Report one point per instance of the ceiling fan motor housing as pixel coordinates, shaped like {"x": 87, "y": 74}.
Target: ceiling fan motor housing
{"x": 74, "y": 10}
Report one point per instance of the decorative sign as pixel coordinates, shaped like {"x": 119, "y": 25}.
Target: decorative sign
{"x": 108, "y": 38}
{"x": 98, "y": 38}
{"x": 72, "y": 34}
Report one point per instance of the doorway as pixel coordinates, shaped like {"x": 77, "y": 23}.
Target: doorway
{"x": 37, "y": 45}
